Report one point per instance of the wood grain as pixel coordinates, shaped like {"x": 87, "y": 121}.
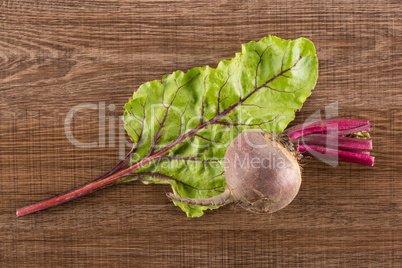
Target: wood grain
{"x": 55, "y": 55}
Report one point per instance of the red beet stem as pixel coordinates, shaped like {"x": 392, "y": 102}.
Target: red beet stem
{"x": 86, "y": 188}
{"x": 336, "y": 142}
{"x": 103, "y": 180}
{"x": 333, "y": 154}
{"x": 331, "y": 125}
{"x": 352, "y": 130}
{"x": 362, "y": 152}
{"x": 79, "y": 191}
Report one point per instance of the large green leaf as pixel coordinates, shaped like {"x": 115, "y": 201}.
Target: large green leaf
{"x": 184, "y": 123}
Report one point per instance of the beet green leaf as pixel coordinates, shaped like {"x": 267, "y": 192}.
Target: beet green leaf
{"x": 184, "y": 122}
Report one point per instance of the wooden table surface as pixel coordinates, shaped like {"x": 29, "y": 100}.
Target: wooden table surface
{"x": 55, "y": 55}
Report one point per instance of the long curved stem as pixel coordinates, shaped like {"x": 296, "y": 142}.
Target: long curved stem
{"x": 103, "y": 180}
{"x": 79, "y": 191}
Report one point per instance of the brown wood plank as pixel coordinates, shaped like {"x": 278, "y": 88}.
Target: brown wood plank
{"x": 55, "y": 55}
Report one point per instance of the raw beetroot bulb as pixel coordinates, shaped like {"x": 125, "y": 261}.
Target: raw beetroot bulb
{"x": 262, "y": 173}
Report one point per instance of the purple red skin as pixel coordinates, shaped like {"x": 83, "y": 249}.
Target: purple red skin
{"x": 271, "y": 186}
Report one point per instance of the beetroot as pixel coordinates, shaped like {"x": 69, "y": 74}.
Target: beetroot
{"x": 262, "y": 174}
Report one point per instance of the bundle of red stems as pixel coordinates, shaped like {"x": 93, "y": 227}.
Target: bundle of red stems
{"x": 335, "y": 139}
